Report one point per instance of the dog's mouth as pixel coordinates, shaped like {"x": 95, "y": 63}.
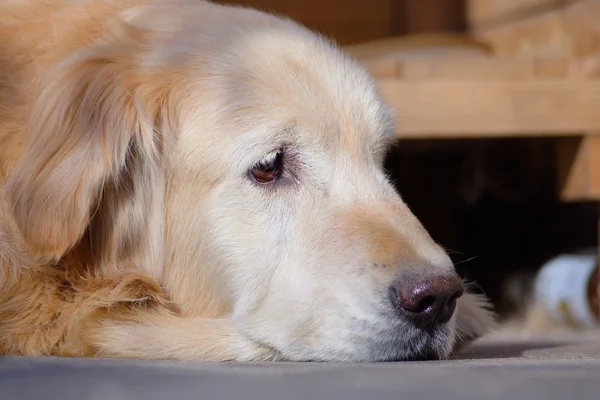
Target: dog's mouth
{"x": 380, "y": 336}
{"x": 433, "y": 350}
{"x": 404, "y": 343}
{"x": 408, "y": 343}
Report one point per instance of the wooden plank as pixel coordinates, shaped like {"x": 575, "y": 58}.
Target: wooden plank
{"x": 471, "y": 68}
{"x": 578, "y": 166}
{"x": 347, "y": 21}
{"x": 444, "y": 109}
{"x": 571, "y": 32}
{"x": 486, "y": 13}
{"x": 419, "y": 45}
{"x": 454, "y": 56}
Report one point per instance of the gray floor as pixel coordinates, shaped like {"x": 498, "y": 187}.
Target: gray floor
{"x": 493, "y": 369}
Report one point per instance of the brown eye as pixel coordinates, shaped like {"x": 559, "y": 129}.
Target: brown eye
{"x": 268, "y": 170}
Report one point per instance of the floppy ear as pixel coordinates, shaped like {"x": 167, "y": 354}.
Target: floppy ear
{"x": 91, "y": 129}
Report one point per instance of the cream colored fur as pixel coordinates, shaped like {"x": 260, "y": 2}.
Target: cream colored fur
{"x": 129, "y": 226}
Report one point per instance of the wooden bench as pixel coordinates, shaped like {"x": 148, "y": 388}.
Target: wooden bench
{"x": 478, "y": 86}
{"x": 463, "y": 94}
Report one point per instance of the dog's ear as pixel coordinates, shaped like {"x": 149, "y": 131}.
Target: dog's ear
{"x": 94, "y": 133}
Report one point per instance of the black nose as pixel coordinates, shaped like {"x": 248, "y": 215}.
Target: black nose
{"x": 426, "y": 299}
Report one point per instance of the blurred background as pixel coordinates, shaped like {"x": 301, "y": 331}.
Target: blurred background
{"x": 498, "y": 119}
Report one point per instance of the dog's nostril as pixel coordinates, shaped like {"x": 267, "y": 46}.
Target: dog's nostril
{"x": 426, "y": 299}
{"x": 424, "y": 304}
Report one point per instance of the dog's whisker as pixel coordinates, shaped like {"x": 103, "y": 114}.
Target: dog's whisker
{"x": 464, "y": 261}
{"x": 451, "y": 251}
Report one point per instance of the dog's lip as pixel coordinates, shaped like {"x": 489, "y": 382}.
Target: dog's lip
{"x": 399, "y": 341}
{"x": 427, "y": 352}
{"x": 414, "y": 344}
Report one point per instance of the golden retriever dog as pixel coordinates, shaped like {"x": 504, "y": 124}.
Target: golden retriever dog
{"x": 185, "y": 180}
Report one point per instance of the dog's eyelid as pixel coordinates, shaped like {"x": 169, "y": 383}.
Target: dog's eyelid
{"x": 271, "y": 157}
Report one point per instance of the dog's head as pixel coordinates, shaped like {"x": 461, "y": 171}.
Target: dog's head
{"x": 237, "y": 158}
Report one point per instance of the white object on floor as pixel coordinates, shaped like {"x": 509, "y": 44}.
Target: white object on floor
{"x": 561, "y": 287}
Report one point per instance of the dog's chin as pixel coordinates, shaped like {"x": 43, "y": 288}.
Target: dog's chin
{"x": 400, "y": 343}
{"x": 412, "y": 344}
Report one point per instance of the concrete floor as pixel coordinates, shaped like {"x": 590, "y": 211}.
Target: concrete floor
{"x": 500, "y": 367}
